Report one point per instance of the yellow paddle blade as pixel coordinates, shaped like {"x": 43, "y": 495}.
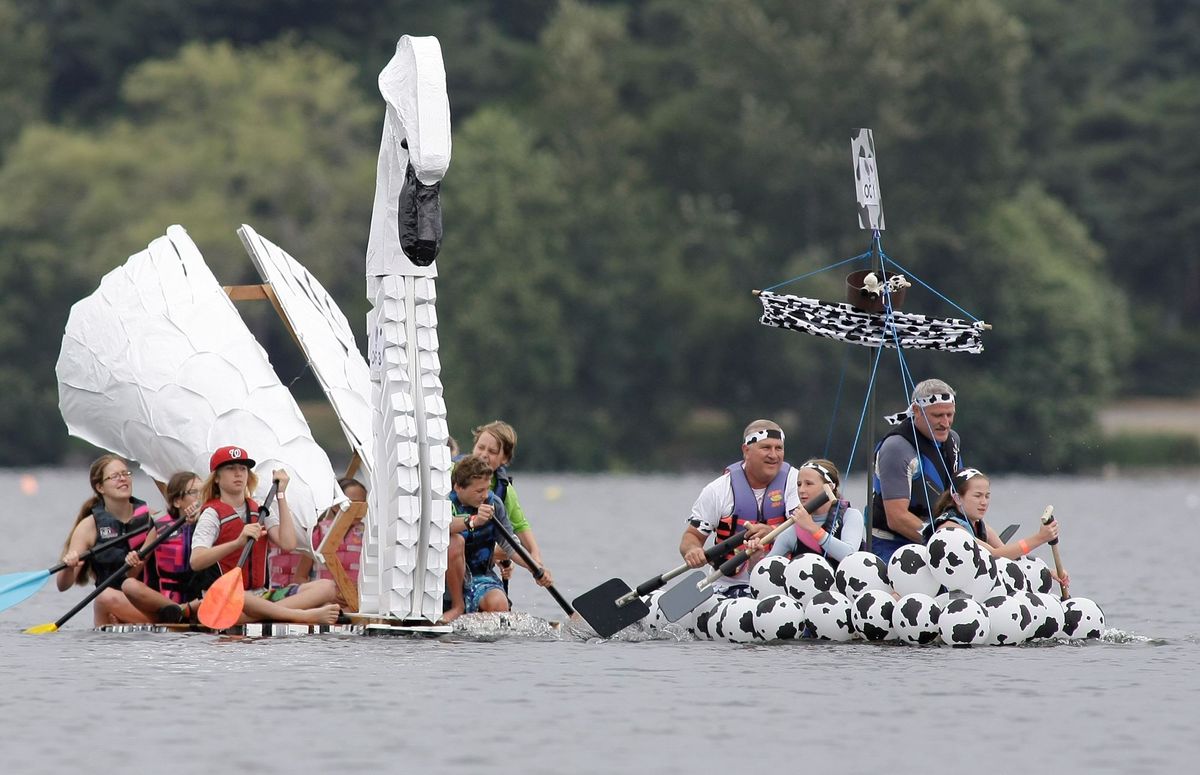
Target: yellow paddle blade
{"x": 42, "y": 629}
{"x": 223, "y": 602}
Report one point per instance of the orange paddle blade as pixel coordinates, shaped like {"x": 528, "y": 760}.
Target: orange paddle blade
{"x": 223, "y": 602}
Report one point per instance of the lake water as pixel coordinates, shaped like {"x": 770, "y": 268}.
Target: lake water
{"x": 136, "y": 702}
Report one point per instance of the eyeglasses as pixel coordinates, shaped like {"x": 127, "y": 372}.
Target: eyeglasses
{"x": 119, "y": 475}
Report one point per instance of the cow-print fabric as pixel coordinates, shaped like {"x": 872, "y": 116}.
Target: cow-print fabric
{"x": 845, "y": 323}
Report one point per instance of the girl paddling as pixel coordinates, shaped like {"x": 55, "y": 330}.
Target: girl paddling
{"x": 112, "y": 512}
{"x": 834, "y": 530}
{"x": 229, "y": 520}
{"x": 170, "y": 573}
{"x": 964, "y": 506}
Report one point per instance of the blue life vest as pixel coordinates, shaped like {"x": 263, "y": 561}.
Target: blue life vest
{"x": 938, "y": 462}
{"x": 503, "y": 479}
{"x": 977, "y": 529}
{"x": 745, "y": 506}
{"x": 481, "y": 541}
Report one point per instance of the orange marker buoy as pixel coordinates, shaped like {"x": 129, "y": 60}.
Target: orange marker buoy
{"x": 29, "y": 485}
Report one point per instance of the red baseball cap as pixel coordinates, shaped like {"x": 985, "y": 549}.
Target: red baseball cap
{"x": 229, "y": 455}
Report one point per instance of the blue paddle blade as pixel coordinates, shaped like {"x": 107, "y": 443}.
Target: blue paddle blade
{"x": 17, "y": 587}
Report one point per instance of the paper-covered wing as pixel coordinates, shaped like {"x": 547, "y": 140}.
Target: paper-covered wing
{"x": 157, "y": 366}
{"x": 325, "y": 336}
{"x": 845, "y": 323}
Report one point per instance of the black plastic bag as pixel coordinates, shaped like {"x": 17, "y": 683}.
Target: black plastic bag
{"x": 420, "y": 219}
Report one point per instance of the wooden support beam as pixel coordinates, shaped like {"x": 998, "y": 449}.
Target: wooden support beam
{"x": 263, "y": 292}
{"x": 246, "y": 292}
{"x": 329, "y": 546}
{"x": 352, "y": 468}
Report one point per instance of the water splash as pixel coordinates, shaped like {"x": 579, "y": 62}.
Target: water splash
{"x": 509, "y": 624}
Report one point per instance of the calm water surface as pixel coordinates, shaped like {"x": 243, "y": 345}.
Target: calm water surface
{"x": 199, "y": 703}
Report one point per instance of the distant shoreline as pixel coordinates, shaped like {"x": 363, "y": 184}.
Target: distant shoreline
{"x": 1151, "y": 415}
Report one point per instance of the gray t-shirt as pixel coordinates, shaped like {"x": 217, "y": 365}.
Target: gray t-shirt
{"x": 895, "y": 466}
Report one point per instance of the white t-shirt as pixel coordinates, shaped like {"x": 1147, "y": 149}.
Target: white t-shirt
{"x": 208, "y": 526}
{"x": 716, "y": 501}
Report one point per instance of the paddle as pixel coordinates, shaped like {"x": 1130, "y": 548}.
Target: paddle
{"x": 17, "y": 587}
{"x": 1047, "y": 518}
{"x": 143, "y": 553}
{"x": 613, "y": 606}
{"x": 224, "y": 601}
{"x": 696, "y": 588}
{"x": 535, "y": 569}
{"x": 1008, "y": 533}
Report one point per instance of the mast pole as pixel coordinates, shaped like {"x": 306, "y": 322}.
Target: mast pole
{"x": 869, "y": 448}
{"x": 870, "y": 217}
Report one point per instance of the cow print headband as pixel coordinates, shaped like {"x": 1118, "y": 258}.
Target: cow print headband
{"x": 763, "y": 434}
{"x": 822, "y": 470}
{"x": 936, "y": 398}
{"x": 967, "y": 473}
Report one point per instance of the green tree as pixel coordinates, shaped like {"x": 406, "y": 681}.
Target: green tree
{"x": 91, "y": 47}
{"x": 1061, "y": 337}
{"x": 509, "y": 341}
{"x": 23, "y": 77}
{"x": 276, "y": 137}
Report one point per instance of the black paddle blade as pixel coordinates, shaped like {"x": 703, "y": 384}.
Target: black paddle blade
{"x": 682, "y": 598}
{"x": 598, "y": 607}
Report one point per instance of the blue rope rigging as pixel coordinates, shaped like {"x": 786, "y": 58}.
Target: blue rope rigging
{"x": 837, "y": 400}
{"x": 888, "y": 266}
{"x": 818, "y": 271}
{"x": 863, "y": 414}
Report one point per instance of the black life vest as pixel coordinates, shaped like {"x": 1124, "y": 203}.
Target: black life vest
{"x": 937, "y": 463}
{"x": 108, "y": 561}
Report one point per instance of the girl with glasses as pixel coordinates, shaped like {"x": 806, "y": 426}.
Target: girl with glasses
{"x": 170, "y": 572}
{"x": 113, "y": 512}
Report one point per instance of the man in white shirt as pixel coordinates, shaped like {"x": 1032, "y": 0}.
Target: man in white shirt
{"x": 757, "y": 493}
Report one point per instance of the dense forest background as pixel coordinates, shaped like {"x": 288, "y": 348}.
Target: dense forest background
{"x": 624, "y": 174}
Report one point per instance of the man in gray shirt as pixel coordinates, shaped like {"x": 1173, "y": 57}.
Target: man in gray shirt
{"x": 913, "y": 464}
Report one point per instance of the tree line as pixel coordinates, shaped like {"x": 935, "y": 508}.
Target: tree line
{"x": 624, "y": 174}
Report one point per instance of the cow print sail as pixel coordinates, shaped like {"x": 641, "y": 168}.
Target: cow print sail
{"x": 845, "y": 323}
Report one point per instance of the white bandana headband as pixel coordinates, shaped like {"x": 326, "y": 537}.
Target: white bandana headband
{"x": 822, "y": 470}
{"x": 968, "y": 473}
{"x": 936, "y": 398}
{"x": 763, "y": 434}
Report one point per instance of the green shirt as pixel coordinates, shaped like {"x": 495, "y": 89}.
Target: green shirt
{"x": 512, "y": 504}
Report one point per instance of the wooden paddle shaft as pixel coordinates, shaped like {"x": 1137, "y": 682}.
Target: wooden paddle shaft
{"x": 143, "y": 553}
{"x": 730, "y": 566}
{"x": 1047, "y": 518}
{"x": 263, "y": 511}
